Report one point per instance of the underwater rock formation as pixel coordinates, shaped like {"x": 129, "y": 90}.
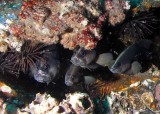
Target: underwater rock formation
{"x": 7, "y": 91}
{"x": 77, "y": 103}
{"x": 157, "y": 95}
{"x": 116, "y": 10}
{"x": 144, "y": 5}
{"x": 70, "y": 26}
{"x": 8, "y": 15}
{"x": 7, "y": 39}
{"x": 86, "y": 38}
{"x": 119, "y": 82}
{"x": 120, "y": 103}
{"x": 132, "y": 94}
{"x": 42, "y": 104}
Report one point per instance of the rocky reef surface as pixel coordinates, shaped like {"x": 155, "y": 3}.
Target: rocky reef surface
{"x": 79, "y": 57}
{"x": 45, "y": 104}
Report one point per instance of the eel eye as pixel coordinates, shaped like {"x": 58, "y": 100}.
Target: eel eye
{"x": 83, "y": 53}
{"x": 118, "y": 64}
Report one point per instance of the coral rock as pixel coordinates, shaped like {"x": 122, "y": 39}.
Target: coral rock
{"x": 147, "y": 98}
{"x": 157, "y": 92}
{"x": 42, "y": 104}
{"x": 59, "y": 21}
{"x": 7, "y": 91}
{"x": 120, "y": 82}
{"x": 77, "y": 103}
{"x": 120, "y": 103}
{"x": 116, "y": 10}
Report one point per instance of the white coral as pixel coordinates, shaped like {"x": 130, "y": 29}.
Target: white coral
{"x": 42, "y": 104}
{"x": 45, "y": 104}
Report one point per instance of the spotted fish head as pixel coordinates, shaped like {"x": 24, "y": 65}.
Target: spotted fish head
{"x": 119, "y": 67}
{"x": 46, "y": 72}
{"x": 83, "y": 57}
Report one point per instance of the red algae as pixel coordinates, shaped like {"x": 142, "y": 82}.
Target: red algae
{"x": 59, "y": 21}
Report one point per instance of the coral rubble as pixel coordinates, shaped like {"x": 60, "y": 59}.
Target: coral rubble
{"x": 6, "y": 90}
{"x": 8, "y": 16}
{"x": 145, "y": 5}
{"x": 116, "y": 10}
{"x": 77, "y": 103}
{"x": 64, "y": 21}
{"x": 133, "y": 93}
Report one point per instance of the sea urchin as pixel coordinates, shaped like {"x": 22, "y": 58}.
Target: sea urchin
{"x": 140, "y": 25}
{"x": 25, "y": 59}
